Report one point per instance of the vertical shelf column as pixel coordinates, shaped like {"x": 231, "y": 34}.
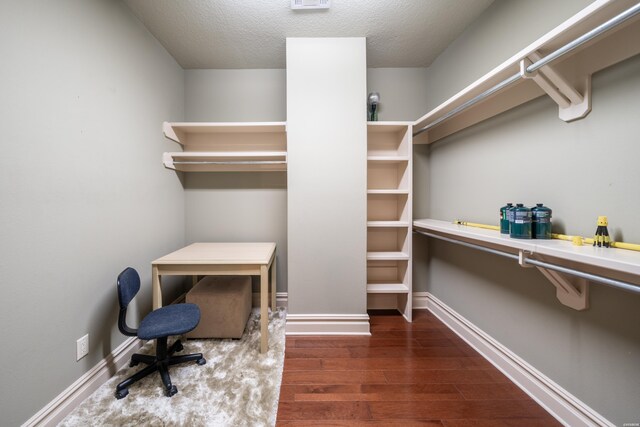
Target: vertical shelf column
{"x": 389, "y": 217}
{"x": 327, "y": 144}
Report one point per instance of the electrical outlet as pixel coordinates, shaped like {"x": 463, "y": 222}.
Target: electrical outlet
{"x": 82, "y": 347}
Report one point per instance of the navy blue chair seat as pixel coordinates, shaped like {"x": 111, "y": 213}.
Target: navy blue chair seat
{"x": 158, "y": 325}
{"x": 172, "y": 320}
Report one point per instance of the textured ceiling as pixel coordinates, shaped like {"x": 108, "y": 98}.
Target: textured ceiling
{"x": 252, "y": 33}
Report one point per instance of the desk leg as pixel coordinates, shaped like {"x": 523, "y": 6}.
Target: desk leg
{"x": 155, "y": 286}
{"x": 264, "y": 309}
{"x": 273, "y": 285}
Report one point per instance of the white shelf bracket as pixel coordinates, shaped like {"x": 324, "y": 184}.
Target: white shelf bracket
{"x": 572, "y": 103}
{"x": 522, "y": 259}
{"x": 570, "y": 291}
{"x": 167, "y": 160}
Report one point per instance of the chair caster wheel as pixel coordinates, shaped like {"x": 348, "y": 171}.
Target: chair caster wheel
{"x": 201, "y": 361}
{"x": 178, "y": 346}
{"x": 173, "y": 390}
{"x": 133, "y": 363}
{"x": 120, "y": 394}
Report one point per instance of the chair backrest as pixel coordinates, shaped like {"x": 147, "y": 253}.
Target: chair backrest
{"x": 128, "y": 286}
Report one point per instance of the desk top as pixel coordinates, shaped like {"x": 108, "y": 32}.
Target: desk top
{"x": 221, "y": 253}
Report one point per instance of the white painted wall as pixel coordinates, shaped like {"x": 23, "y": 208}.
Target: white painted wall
{"x": 581, "y": 170}
{"x": 85, "y": 89}
{"x": 326, "y": 175}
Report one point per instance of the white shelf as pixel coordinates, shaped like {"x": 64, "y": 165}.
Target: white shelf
{"x": 388, "y": 159}
{"x": 574, "y": 70}
{"x": 620, "y": 260}
{"x": 181, "y": 132}
{"x": 227, "y": 147}
{"x": 387, "y": 256}
{"x": 198, "y": 161}
{"x": 568, "y": 267}
{"x": 388, "y": 224}
{"x": 388, "y": 126}
{"x": 387, "y": 288}
{"x": 389, "y": 177}
{"x": 388, "y": 191}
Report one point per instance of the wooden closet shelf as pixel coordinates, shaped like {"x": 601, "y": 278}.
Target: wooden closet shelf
{"x": 568, "y": 267}
{"x": 227, "y": 147}
{"x": 387, "y": 288}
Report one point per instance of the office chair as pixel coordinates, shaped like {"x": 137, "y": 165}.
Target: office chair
{"x": 158, "y": 325}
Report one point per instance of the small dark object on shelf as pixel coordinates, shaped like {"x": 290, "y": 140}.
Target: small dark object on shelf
{"x": 602, "y": 234}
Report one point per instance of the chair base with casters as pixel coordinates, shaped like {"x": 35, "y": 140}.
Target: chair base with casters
{"x": 160, "y": 362}
{"x": 158, "y": 325}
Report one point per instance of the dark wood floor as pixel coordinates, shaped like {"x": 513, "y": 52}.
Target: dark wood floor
{"x": 404, "y": 374}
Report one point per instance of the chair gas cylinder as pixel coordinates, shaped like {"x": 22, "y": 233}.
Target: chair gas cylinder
{"x": 541, "y": 222}
{"x": 504, "y": 219}
{"x": 520, "y": 227}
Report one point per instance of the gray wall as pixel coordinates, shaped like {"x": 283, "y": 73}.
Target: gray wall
{"x": 85, "y": 89}
{"x": 242, "y": 206}
{"x": 235, "y": 95}
{"x": 250, "y": 206}
{"x": 590, "y": 170}
{"x": 404, "y": 95}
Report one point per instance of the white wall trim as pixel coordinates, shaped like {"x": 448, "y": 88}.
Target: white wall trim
{"x": 84, "y": 386}
{"x": 327, "y": 324}
{"x": 565, "y": 407}
{"x": 420, "y": 300}
{"x": 320, "y": 324}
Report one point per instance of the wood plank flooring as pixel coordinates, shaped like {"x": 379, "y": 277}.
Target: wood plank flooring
{"x": 404, "y": 374}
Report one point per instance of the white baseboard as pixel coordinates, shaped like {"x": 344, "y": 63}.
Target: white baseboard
{"x": 320, "y": 324}
{"x": 565, "y": 407}
{"x": 420, "y": 300}
{"x": 327, "y": 324}
{"x": 84, "y": 386}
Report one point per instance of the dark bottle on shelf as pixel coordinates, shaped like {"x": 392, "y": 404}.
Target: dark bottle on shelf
{"x": 504, "y": 219}
{"x": 541, "y": 222}
{"x": 520, "y": 228}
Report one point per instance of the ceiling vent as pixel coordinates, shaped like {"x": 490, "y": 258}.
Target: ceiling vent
{"x": 310, "y": 4}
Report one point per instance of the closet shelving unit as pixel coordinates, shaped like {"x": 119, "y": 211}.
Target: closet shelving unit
{"x": 227, "y": 147}
{"x": 559, "y": 64}
{"x": 389, "y": 216}
{"x": 568, "y": 267}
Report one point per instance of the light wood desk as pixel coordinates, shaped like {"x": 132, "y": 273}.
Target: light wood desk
{"x": 223, "y": 259}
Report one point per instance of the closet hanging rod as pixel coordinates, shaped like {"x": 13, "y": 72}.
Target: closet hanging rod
{"x": 232, "y": 162}
{"x": 593, "y": 277}
{"x": 600, "y": 29}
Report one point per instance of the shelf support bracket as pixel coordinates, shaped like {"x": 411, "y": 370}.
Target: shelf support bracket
{"x": 572, "y": 104}
{"x": 570, "y": 291}
{"x": 522, "y": 259}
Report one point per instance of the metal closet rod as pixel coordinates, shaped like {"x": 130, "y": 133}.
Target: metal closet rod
{"x": 239, "y": 162}
{"x": 602, "y": 28}
{"x": 593, "y": 277}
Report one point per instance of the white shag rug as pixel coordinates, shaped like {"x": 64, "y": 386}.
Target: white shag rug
{"x": 238, "y": 386}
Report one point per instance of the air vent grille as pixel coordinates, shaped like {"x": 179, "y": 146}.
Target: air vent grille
{"x": 310, "y": 4}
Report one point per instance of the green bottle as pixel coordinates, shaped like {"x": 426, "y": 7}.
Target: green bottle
{"x": 541, "y": 222}
{"x": 504, "y": 219}
{"x": 521, "y": 225}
